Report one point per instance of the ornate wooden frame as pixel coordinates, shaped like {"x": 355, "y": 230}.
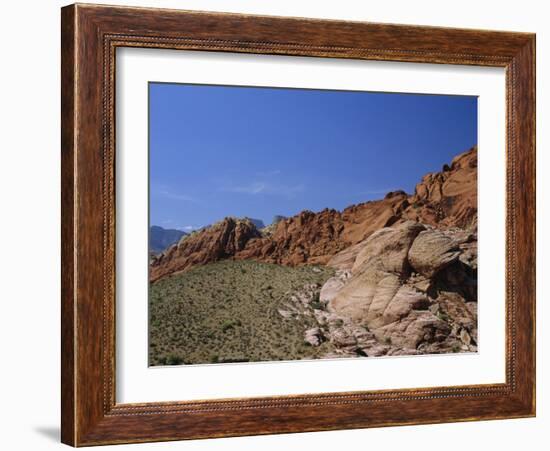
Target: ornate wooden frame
{"x": 90, "y": 35}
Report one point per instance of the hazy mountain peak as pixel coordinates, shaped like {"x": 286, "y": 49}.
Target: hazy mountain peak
{"x": 160, "y": 238}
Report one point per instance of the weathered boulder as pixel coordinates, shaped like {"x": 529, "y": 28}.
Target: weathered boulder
{"x": 344, "y": 260}
{"x": 333, "y": 285}
{"x": 406, "y": 299}
{"x": 387, "y": 249}
{"x": 314, "y": 336}
{"x": 343, "y": 337}
{"x": 410, "y": 289}
{"x": 453, "y": 306}
{"x": 377, "y": 275}
{"x": 413, "y": 329}
{"x": 432, "y": 251}
{"x": 387, "y": 306}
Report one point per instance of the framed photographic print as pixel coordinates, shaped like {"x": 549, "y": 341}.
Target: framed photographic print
{"x": 279, "y": 225}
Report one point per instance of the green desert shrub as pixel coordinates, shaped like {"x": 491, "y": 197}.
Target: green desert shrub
{"x": 173, "y": 359}
{"x": 220, "y": 312}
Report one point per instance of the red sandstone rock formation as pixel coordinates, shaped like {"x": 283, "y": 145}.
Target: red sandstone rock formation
{"x": 448, "y": 198}
{"x": 444, "y": 199}
{"x": 219, "y": 241}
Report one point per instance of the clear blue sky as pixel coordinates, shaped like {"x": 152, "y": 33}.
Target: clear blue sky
{"x": 219, "y": 151}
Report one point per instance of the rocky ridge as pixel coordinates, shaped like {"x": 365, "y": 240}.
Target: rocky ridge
{"x": 217, "y": 242}
{"x": 444, "y": 199}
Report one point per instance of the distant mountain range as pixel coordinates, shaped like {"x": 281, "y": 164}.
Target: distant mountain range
{"x": 160, "y": 238}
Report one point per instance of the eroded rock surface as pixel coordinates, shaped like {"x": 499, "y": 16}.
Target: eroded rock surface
{"x": 432, "y": 251}
{"x": 410, "y": 288}
{"x": 377, "y": 275}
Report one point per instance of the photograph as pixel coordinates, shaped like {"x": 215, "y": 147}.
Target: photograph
{"x": 268, "y": 222}
{"x": 295, "y": 224}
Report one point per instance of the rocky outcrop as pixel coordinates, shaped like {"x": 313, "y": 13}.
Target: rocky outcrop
{"x": 277, "y": 219}
{"x": 313, "y": 336}
{"x": 384, "y": 305}
{"x": 333, "y": 286}
{"x": 432, "y": 251}
{"x": 258, "y": 223}
{"x": 314, "y": 238}
{"x": 305, "y": 238}
{"x": 410, "y": 288}
{"x": 376, "y": 274}
{"x": 344, "y": 260}
{"x": 446, "y": 200}
{"x": 219, "y": 241}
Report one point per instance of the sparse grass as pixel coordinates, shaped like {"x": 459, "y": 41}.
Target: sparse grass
{"x": 228, "y": 312}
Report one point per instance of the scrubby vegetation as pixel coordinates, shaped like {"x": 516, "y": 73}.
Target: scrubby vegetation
{"x": 228, "y": 312}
